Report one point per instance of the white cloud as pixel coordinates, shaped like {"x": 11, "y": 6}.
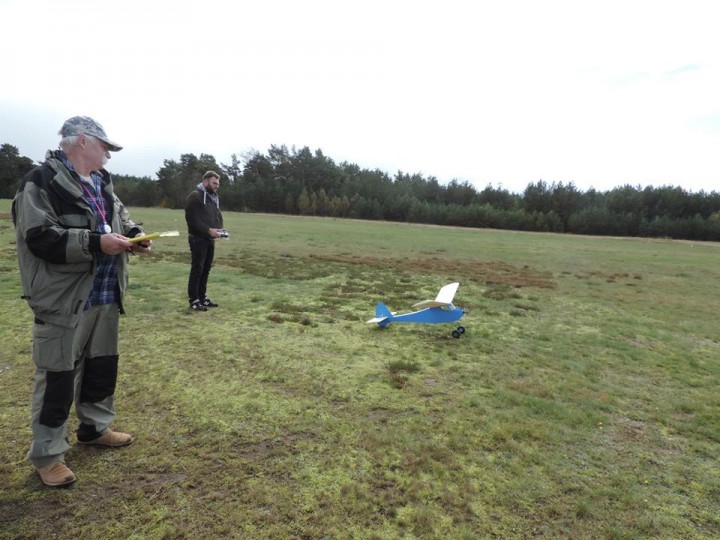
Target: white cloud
{"x": 599, "y": 93}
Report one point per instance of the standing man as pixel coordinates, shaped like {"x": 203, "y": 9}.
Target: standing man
{"x": 205, "y": 223}
{"x": 72, "y": 245}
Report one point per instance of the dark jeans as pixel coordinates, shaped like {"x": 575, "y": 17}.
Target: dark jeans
{"x": 202, "y": 252}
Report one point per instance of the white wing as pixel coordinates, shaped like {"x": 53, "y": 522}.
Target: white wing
{"x": 447, "y": 293}
{"x": 444, "y": 297}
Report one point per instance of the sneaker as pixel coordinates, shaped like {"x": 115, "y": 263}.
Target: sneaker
{"x": 196, "y": 305}
{"x": 208, "y": 303}
{"x": 113, "y": 439}
{"x": 56, "y": 474}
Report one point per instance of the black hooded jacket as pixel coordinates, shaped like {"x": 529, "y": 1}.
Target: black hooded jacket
{"x": 202, "y": 213}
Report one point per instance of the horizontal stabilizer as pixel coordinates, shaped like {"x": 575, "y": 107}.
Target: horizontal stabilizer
{"x": 383, "y": 315}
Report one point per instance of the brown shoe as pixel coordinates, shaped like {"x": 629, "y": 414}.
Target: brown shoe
{"x": 56, "y": 474}
{"x": 113, "y": 439}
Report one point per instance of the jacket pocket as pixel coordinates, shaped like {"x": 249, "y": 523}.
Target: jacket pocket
{"x": 58, "y": 289}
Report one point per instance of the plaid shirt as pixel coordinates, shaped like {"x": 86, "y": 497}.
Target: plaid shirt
{"x": 105, "y": 285}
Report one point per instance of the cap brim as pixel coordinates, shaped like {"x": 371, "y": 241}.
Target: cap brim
{"x": 112, "y": 146}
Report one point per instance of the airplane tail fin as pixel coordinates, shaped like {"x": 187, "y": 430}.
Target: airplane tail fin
{"x": 381, "y": 310}
{"x": 383, "y": 316}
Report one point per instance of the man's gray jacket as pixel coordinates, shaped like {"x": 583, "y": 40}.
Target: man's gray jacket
{"x": 56, "y": 242}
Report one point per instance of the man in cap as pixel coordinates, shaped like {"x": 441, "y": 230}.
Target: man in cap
{"x": 72, "y": 244}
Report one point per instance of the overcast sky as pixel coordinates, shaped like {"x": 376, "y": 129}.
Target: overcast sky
{"x": 599, "y": 93}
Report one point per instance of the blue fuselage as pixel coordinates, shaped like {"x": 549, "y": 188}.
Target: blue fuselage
{"x": 429, "y": 315}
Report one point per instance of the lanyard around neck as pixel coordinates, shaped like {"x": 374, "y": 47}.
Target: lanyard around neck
{"x": 99, "y": 204}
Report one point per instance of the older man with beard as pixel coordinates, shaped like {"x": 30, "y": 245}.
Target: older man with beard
{"x": 72, "y": 243}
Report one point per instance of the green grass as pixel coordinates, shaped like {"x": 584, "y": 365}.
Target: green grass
{"x": 582, "y": 401}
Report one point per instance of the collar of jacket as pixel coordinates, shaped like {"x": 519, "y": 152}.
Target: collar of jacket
{"x": 67, "y": 182}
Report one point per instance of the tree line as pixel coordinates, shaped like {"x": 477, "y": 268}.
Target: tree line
{"x": 302, "y": 182}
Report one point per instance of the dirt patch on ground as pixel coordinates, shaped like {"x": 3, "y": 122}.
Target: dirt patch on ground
{"x": 489, "y": 273}
{"x": 314, "y": 266}
{"x": 273, "y": 447}
{"x": 627, "y": 429}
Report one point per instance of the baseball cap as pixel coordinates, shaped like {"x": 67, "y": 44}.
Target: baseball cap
{"x": 79, "y": 125}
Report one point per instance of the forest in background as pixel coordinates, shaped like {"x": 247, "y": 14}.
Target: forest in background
{"x": 304, "y": 182}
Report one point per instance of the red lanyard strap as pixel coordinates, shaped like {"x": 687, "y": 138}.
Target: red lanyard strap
{"x": 99, "y": 206}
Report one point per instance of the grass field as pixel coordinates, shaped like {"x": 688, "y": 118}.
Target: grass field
{"x": 582, "y": 402}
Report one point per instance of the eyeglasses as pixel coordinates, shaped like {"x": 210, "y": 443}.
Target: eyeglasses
{"x": 105, "y": 147}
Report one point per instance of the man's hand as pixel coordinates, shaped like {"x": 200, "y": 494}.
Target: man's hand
{"x": 114, "y": 244}
{"x": 214, "y": 233}
{"x": 142, "y": 247}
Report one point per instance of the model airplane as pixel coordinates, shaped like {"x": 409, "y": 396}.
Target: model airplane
{"x": 440, "y": 310}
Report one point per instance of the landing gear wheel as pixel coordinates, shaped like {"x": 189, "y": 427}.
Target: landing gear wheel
{"x": 455, "y": 334}
{"x": 461, "y": 329}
